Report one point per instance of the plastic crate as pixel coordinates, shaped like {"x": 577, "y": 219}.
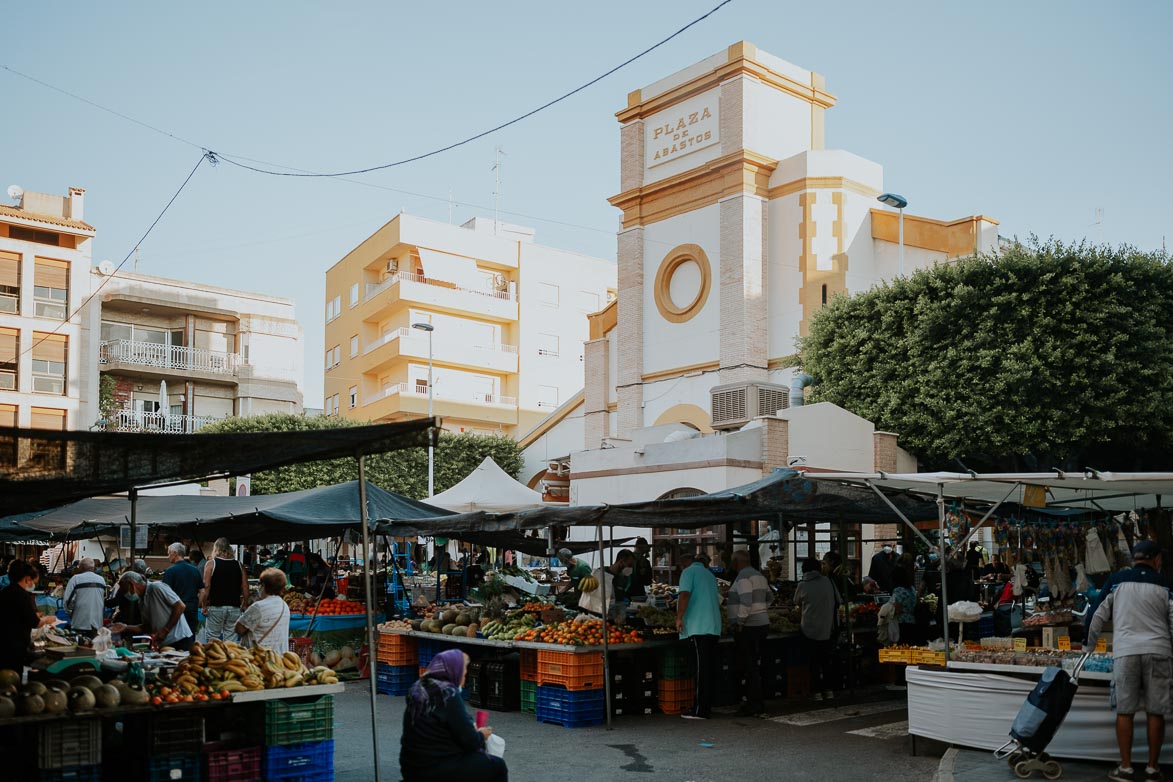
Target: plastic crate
{"x": 298, "y": 723}
{"x": 798, "y": 681}
{"x": 299, "y": 762}
{"x": 673, "y": 664}
{"x": 70, "y": 743}
{"x": 631, "y": 671}
{"x": 500, "y": 685}
{"x": 397, "y": 649}
{"x": 473, "y": 684}
{"x": 529, "y": 697}
{"x": 175, "y": 734}
{"x": 303, "y": 648}
{"x": 570, "y": 708}
{"x": 395, "y": 679}
{"x": 570, "y": 670}
{"x": 173, "y": 768}
{"x": 226, "y": 764}
{"x": 675, "y": 696}
{"x": 71, "y": 774}
{"x": 529, "y": 665}
{"x": 429, "y": 649}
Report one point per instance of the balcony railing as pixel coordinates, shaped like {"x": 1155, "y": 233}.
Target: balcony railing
{"x": 440, "y": 345}
{"x": 176, "y": 357}
{"x": 374, "y": 289}
{"x": 475, "y": 398}
{"x": 135, "y": 421}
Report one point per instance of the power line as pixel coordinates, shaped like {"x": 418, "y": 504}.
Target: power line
{"x": 204, "y": 156}
{"x": 482, "y": 134}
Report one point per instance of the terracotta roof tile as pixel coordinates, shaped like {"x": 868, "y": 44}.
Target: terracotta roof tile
{"x": 63, "y": 222}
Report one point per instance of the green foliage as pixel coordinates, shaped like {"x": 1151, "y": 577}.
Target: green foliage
{"x": 1045, "y": 355}
{"x": 107, "y": 404}
{"x": 404, "y": 472}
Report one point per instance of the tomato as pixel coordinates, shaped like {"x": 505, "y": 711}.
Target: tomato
{"x": 156, "y": 701}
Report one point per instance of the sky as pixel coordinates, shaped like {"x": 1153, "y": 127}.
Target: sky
{"x": 1036, "y": 114}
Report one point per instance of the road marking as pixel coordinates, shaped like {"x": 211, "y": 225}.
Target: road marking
{"x": 819, "y": 716}
{"x": 890, "y": 731}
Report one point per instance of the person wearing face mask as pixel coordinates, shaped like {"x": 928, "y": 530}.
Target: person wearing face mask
{"x": 162, "y": 612}
{"x": 19, "y": 615}
{"x": 615, "y": 580}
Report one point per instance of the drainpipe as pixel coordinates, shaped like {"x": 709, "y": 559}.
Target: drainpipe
{"x": 797, "y": 383}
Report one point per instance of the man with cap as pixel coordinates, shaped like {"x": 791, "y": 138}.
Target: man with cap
{"x": 577, "y": 570}
{"x": 1139, "y": 604}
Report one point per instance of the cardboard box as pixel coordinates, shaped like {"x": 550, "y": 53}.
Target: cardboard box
{"x": 530, "y": 587}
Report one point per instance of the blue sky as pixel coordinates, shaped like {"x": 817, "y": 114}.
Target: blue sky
{"x": 1034, "y": 113}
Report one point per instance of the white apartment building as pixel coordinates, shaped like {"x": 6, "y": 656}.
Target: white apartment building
{"x": 508, "y": 319}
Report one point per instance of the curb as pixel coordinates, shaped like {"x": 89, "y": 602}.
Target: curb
{"x": 945, "y": 767}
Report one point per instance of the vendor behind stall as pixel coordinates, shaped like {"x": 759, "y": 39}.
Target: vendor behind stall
{"x": 162, "y": 612}
{"x": 615, "y": 579}
{"x": 18, "y": 615}
{"x": 85, "y": 599}
{"x": 576, "y": 570}
{"x": 641, "y": 579}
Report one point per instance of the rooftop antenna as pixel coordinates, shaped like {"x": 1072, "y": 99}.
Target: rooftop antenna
{"x": 498, "y": 153}
{"x": 136, "y": 258}
{"x": 1099, "y": 223}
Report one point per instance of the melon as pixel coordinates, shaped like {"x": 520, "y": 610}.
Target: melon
{"x": 7, "y": 708}
{"x": 332, "y": 658}
{"x": 55, "y": 701}
{"x": 9, "y": 692}
{"x": 81, "y": 699}
{"x": 57, "y": 684}
{"x": 31, "y": 704}
{"x": 450, "y": 616}
{"x": 88, "y": 681}
{"x": 9, "y": 678}
{"x": 315, "y": 659}
{"x": 107, "y": 697}
{"x": 463, "y": 619}
{"x": 135, "y": 696}
{"x": 416, "y": 624}
{"x": 347, "y": 651}
{"x": 447, "y": 629}
{"x": 34, "y": 688}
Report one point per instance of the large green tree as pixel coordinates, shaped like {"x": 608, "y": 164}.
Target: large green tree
{"x": 1044, "y": 355}
{"x": 404, "y": 472}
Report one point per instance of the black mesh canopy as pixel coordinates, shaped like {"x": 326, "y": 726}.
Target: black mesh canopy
{"x": 43, "y": 469}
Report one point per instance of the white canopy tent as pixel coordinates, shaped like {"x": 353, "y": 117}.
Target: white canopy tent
{"x": 487, "y": 488}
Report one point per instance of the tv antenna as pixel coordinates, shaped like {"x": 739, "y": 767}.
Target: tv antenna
{"x": 497, "y": 155}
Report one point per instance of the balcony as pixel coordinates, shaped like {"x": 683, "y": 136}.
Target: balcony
{"x": 164, "y": 423}
{"x": 439, "y": 295}
{"x": 162, "y": 361}
{"x": 400, "y": 401}
{"x": 412, "y": 343}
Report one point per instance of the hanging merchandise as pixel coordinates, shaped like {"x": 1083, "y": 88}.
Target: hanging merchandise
{"x": 1019, "y": 579}
{"x": 1081, "y": 584}
{"x": 1097, "y": 561}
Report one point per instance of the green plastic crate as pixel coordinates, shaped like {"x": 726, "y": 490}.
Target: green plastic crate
{"x": 529, "y": 697}
{"x": 299, "y": 723}
{"x": 673, "y": 665}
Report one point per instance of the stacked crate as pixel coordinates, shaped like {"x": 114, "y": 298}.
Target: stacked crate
{"x": 528, "y": 660}
{"x": 68, "y": 751}
{"x": 675, "y": 690}
{"x": 773, "y": 669}
{"x": 798, "y": 676}
{"x": 173, "y": 747}
{"x": 728, "y": 683}
{"x": 226, "y": 763}
{"x": 398, "y": 657}
{"x": 570, "y": 688}
{"x": 633, "y": 684}
{"x": 501, "y": 684}
{"x": 299, "y": 741}
{"x": 472, "y": 685}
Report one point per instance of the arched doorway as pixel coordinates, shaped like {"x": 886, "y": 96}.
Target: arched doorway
{"x": 670, "y": 543}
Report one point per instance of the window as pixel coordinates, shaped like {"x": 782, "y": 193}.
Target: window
{"x": 33, "y": 235}
{"x": 329, "y": 360}
{"x": 49, "y": 353}
{"x": 51, "y": 288}
{"x": 336, "y": 408}
{"x": 333, "y": 308}
{"x": 353, "y": 397}
{"x": 548, "y": 397}
{"x": 8, "y": 449}
{"x": 47, "y": 455}
{"x": 337, "y": 355}
{"x": 588, "y": 302}
{"x": 548, "y": 294}
{"x": 9, "y": 282}
{"x": 548, "y": 345}
{"x": 9, "y": 351}
{"x": 354, "y": 295}
{"x": 354, "y": 346}
{"x": 333, "y": 357}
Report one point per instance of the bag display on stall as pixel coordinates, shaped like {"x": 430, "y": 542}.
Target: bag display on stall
{"x": 1097, "y": 560}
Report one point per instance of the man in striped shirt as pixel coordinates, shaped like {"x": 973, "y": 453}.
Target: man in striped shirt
{"x": 749, "y": 597}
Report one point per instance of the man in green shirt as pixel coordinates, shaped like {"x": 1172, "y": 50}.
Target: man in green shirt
{"x": 698, "y": 618}
{"x": 577, "y": 570}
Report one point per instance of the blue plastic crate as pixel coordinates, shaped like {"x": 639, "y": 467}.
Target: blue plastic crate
{"x": 429, "y": 649}
{"x": 300, "y": 762}
{"x": 395, "y": 679}
{"x": 173, "y": 768}
{"x": 571, "y": 709}
{"x": 72, "y": 774}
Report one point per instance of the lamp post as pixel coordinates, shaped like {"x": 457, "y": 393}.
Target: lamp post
{"x": 898, "y": 202}
{"x": 428, "y": 327}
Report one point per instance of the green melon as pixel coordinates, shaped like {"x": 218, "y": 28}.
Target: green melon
{"x": 31, "y": 704}
{"x": 447, "y": 629}
{"x": 7, "y": 708}
{"x": 55, "y": 701}
{"x": 450, "y": 616}
{"x": 9, "y": 678}
{"x": 88, "y": 681}
{"x": 135, "y": 696}
{"x": 81, "y": 699}
{"x": 57, "y": 684}
{"x": 464, "y": 620}
{"x": 34, "y": 688}
{"x": 107, "y": 697}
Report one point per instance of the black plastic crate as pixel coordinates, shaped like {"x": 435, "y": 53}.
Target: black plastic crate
{"x": 473, "y": 684}
{"x": 69, "y": 743}
{"x": 174, "y": 768}
{"x": 71, "y": 774}
{"x": 501, "y": 684}
{"x": 175, "y": 734}
{"x": 630, "y": 670}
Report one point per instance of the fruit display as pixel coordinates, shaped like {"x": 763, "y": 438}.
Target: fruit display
{"x": 588, "y": 584}
{"x": 535, "y": 606}
{"x": 658, "y": 589}
{"x": 56, "y": 696}
{"x": 588, "y": 633}
{"x": 220, "y": 668}
{"x": 657, "y": 618}
{"x": 514, "y": 570}
{"x": 337, "y": 660}
{"x": 395, "y": 626}
{"x": 513, "y": 629}
{"x": 865, "y": 612}
{"x": 340, "y": 608}
{"x": 780, "y": 622}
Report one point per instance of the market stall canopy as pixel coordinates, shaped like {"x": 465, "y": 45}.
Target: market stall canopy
{"x": 784, "y": 494}
{"x": 1087, "y": 490}
{"x": 487, "y": 488}
{"x": 325, "y": 511}
{"x": 42, "y": 469}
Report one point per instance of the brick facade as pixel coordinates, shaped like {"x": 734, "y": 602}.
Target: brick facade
{"x": 595, "y": 361}
{"x": 742, "y": 289}
{"x": 629, "y": 331}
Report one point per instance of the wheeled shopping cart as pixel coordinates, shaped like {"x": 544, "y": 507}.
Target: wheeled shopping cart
{"x": 1038, "y": 721}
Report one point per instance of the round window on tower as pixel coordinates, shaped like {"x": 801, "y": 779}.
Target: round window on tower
{"x": 682, "y": 283}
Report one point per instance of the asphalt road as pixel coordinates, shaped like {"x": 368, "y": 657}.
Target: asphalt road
{"x": 854, "y": 739}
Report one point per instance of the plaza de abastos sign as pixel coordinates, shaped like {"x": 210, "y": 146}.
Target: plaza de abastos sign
{"x": 681, "y": 130}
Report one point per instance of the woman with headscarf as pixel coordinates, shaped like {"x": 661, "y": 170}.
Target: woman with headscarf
{"x": 440, "y": 740}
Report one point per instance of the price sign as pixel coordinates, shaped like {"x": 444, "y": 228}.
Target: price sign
{"x": 1101, "y": 645}
{"x": 1020, "y": 644}
{"x": 1064, "y": 643}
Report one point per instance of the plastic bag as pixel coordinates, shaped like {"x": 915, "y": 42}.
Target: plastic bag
{"x": 1081, "y": 584}
{"x": 102, "y": 640}
{"x": 495, "y": 746}
{"x": 964, "y": 611}
{"x": 1097, "y": 560}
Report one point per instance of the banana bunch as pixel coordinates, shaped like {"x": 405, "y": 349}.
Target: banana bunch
{"x": 227, "y": 667}
{"x": 321, "y": 675}
{"x": 588, "y": 584}
{"x": 497, "y": 630}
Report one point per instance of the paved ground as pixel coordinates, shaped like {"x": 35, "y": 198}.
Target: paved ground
{"x": 857, "y": 739}
{"x": 971, "y": 765}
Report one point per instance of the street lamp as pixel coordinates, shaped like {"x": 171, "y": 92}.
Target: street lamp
{"x": 897, "y": 202}
{"x": 428, "y": 327}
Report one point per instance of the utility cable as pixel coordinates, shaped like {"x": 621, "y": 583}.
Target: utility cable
{"x": 204, "y": 156}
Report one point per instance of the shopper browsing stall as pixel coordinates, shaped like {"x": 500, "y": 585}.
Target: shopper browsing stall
{"x": 162, "y": 612}
{"x": 187, "y": 581}
{"x": 698, "y": 619}
{"x": 747, "y": 604}
{"x": 266, "y": 622}
{"x": 819, "y": 601}
{"x": 225, "y": 592}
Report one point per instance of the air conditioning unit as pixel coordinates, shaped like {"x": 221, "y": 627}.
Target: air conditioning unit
{"x": 48, "y": 385}
{"x": 392, "y": 266}
{"x": 736, "y": 404}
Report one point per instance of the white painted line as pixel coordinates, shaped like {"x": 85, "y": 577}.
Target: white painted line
{"x": 890, "y": 731}
{"x": 819, "y": 716}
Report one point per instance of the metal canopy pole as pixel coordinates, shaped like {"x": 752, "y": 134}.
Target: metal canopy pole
{"x": 986, "y": 517}
{"x": 606, "y": 662}
{"x": 896, "y": 510}
{"x": 133, "y": 522}
{"x": 944, "y": 565}
{"x": 368, "y": 585}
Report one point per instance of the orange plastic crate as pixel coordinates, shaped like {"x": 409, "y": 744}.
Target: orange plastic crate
{"x": 529, "y": 665}
{"x": 572, "y": 671}
{"x": 675, "y": 696}
{"x": 423, "y": 670}
{"x": 396, "y": 649}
